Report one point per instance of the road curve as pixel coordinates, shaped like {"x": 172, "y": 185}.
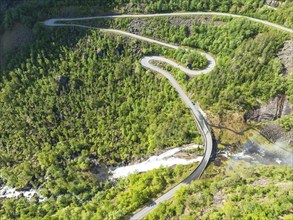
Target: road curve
{"x": 51, "y": 22}
{"x": 202, "y": 126}
{"x": 200, "y": 121}
{"x": 199, "y": 118}
{"x": 211, "y": 60}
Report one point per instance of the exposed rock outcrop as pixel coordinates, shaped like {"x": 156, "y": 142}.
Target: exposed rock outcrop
{"x": 136, "y": 26}
{"x": 276, "y": 133}
{"x": 276, "y": 108}
{"x": 286, "y": 56}
{"x": 272, "y": 3}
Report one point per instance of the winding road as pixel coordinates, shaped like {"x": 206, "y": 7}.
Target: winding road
{"x": 146, "y": 62}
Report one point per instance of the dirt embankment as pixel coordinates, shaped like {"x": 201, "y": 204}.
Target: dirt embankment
{"x": 228, "y": 128}
{"x": 234, "y": 128}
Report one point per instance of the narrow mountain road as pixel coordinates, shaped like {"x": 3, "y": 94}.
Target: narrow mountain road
{"x": 51, "y": 22}
{"x": 202, "y": 126}
{"x": 196, "y": 111}
{"x": 200, "y": 121}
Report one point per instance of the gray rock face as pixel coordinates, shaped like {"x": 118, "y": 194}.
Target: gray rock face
{"x": 272, "y": 3}
{"x": 276, "y": 108}
{"x": 286, "y": 56}
{"x": 136, "y": 26}
{"x": 274, "y": 132}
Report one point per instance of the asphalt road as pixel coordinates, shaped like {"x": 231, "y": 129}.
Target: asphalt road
{"x": 201, "y": 124}
{"x": 51, "y": 22}
{"x": 196, "y": 111}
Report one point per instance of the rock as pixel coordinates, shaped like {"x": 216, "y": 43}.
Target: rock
{"x": 189, "y": 22}
{"x": 136, "y": 48}
{"x": 99, "y": 52}
{"x": 276, "y": 133}
{"x": 286, "y": 56}
{"x": 276, "y": 108}
{"x": 272, "y": 3}
{"x": 188, "y": 65}
{"x": 63, "y": 81}
{"x": 136, "y": 26}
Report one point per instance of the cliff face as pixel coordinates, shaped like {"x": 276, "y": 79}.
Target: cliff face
{"x": 286, "y": 56}
{"x": 276, "y": 108}
{"x": 274, "y": 132}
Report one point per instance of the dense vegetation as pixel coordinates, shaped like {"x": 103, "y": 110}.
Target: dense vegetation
{"x": 80, "y": 102}
{"x": 191, "y": 59}
{"x": 72, "y": 103}
{"x": 43, "y": 9}
{"x": 247, "y": 65}
{"x": 251, "y": 193}
{"x": 76, "y": 99}
{"x": 115, "y": 201}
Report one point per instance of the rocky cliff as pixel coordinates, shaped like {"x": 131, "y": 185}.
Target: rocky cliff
{"x": 276, "y": 108}
{"x": 286, "y": 56}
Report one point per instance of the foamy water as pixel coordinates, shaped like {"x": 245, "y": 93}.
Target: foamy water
{"x": 264, "y": 154}
{"x": 9, "y": 192}
{"x": 165, "y": 159}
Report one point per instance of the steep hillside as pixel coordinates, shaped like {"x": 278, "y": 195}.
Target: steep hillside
{"x": 236, "y": 193}
{"x": 76, "y": 102}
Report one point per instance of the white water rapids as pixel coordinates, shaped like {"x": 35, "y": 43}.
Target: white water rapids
{"x": 9, "y": 192}
{"x": 165, "y": 159}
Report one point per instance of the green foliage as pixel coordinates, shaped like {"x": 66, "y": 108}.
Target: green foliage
{"x": 265, "y": 196}
{"x": 115, "y": 201}
{"x": 194, "y": 60}
{"x": 247, "y": 66}
{"x": 286, "y": 122}
{"x": 47, "y": 8}
{"x": 77, "y": 99}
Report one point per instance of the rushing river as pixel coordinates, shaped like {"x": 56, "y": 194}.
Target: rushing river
{"x": 175, "y": 156}
{"x": 252, "y": 152}
{"x": 166, "y": 159}
{"x": 266, "y": 154}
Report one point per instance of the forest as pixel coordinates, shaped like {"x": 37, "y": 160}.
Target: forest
{"x": 76, "y": 99}
{"x": 52, "y": 8}
{"x": 247, "y": 65}
{"x": 72, "y": 104}
{"x": 261, "y": 192}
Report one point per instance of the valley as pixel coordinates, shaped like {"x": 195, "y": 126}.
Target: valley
{"x": 94, "y": 93}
